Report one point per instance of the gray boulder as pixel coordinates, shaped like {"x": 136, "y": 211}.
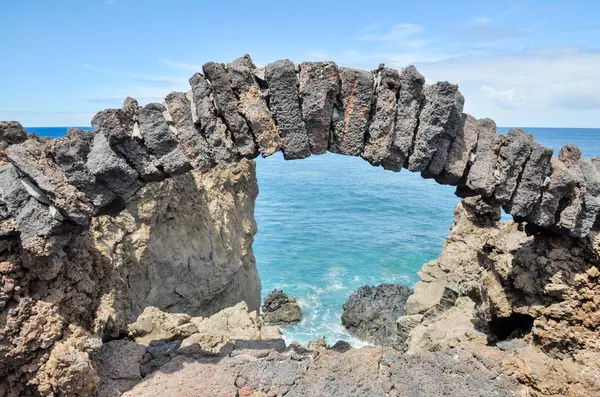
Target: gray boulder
{"x": 71, "y": 153}
{"x": 161, "y": 141}
{"x": 351, "y": 117}
{"x": 380, "y": 133}
{"x": 285, "y": 106}
{"x": 220, "y": 145}
{"x": 13, "y": 195}
{"x": 563, "y": 185}
{"x": 371, "y": 312}
{"x": 110, "y": 169}
{"x": 591, "y": 197}
{"x": 117, "y": 125}
{"x": 319, "y": 88}
{"x": 33, "y": 160}
{"x": 529, "y": 189}
{"x": 11, "y": 132}
{"x": 461, "y": 151}
{"x": 278, "y": 308}
{"x": 227, "y": 107}
{"x": 252, "y": 105}
{"x": 481, "y": 173}
{"x": 514, "y": 153}
{"x": 439, "y": 122}
{"x": 410, "y": 100}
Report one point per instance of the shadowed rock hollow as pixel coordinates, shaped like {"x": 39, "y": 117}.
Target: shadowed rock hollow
{"x": 155, "y": 207}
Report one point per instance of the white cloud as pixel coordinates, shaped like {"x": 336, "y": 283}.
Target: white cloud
{"x": 481, "y": 20}
{"x": 402, "y": 34}
{"x": 182, "y": 65}
{"x": 549, "y": 87}
{"x": 557, "y": 86}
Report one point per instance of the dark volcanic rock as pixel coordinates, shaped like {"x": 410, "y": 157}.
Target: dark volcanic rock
{"x": 204, "y": 114}
{"x": 529, "y": 188}
{"x": 481, "y": 173}
{"x": 410, "y": 100}
{"x": 11, "y": 132}
{"x": 561, "y": 191}
{"x": 13, "y": 195}
{"x": 591, "y": 198}
{"x": 461, "y": 152}
{"x": 319, "y": 88}
{"x": 278, "y": 308}
{"x": 380, "y": 134}
{"x": 117, "y": 126}
{"x": 71, "y": 153}
{"x": 162, "y": 142}
{"x": 351, "y": 117}
{"x": 371, "y": 312}
{"x": 514, "y": 152}
{"x": 439, "y": 122}
{"x": 252, "y": 105}
{"x": 285, "y": 106}
{"x": 110, "y": 169}
{"x": 227, "y": 106}
{"x": 33, "y": 159}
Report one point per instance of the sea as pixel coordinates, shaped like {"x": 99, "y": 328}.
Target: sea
{"x": 330, "y": 224}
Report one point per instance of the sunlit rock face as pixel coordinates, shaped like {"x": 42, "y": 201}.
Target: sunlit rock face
{"x": 185, "y": 244}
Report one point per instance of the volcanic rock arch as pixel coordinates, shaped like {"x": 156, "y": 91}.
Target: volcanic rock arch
{"x": 78, "y": 209}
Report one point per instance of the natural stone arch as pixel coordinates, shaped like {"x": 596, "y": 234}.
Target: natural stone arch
{"x": 52, "y": 191}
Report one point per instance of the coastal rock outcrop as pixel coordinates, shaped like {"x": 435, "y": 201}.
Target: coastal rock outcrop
{"x": 11, "y": 132}
{"x": 155, "y": 208}
{"x": 532, "y": 296}
{"x": 279, "y": 308}
{"x": 65, "y": 286}
{"x": 371, "y": 312}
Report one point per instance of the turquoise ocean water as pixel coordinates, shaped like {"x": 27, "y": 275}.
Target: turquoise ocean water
{"x": 330, "y": 224}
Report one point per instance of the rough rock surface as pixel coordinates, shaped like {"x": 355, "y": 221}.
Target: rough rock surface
{"x": 71, "y": 153}
{"x": 351, "y": 116}
{"x": 327, "y": 371}
{"x": 481, "y": 175}
{"x": 380, "y": 134}
{"x": 319, "y": 88}
{"x": 439, "y": 122}
{"x": 284, "y": 102}
{"x": 371, "y": 312}
{"x": 162, "y": 142}
{"x": 193, "y": 229}
{"x": 461, "y": 151}
{"x": 53, "y": 307}
{"x": 227, "y": 107}
{"x": 410, "y": 101}
{"x": 278, "y": 308}
{"x": 11, "y": 132}
{"x": 253, "y": 106}
{"x": 204, "y": 114}
{"x": 492, "y": 283}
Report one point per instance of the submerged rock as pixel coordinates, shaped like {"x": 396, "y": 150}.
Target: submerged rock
{"x": 371, "y": 312}
{"x": 278, "y": 308}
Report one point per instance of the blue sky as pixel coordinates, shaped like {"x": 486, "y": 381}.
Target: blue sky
{"x": 522, "y": 63}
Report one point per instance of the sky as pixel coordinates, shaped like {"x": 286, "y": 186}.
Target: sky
{"x": 522, "y": 63}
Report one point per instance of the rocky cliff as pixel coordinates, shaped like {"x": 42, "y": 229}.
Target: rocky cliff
{"x": 535, "y": 297}
{"x": 183, "y": 244}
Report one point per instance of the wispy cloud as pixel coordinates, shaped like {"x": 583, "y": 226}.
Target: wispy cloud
{"x": 182, "y": 65}
{"x": 110, "y": 2}
{"x": 481, "y": 20}
{"x": 403, "y": 34}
